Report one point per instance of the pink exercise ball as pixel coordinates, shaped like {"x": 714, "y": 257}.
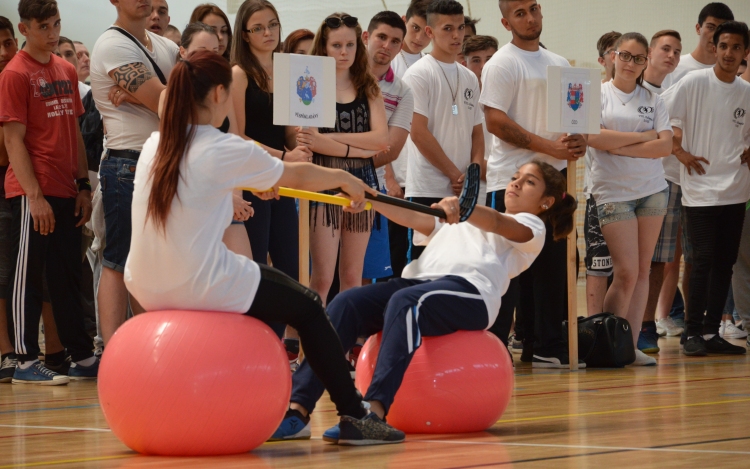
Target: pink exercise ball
{"x": 456, "y": 383}
{"x": 189, "y": 383}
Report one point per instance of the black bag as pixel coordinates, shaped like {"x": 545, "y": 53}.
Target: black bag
{"x": 604, "y": 341}
{"x": 92, "y": 131}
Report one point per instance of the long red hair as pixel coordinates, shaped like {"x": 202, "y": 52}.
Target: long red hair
{"x": 189, "y": 84}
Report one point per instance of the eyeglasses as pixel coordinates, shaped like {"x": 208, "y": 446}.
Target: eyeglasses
{"x": 335, "y": 22}
{"x": 259, "y": 29}
{"x": 627, "y": 57}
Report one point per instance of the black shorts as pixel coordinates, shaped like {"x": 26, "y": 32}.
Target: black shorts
{"x": 598, "y": 260}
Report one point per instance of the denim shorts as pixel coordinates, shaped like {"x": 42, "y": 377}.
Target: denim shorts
{"x": 654, "y": 205}
{"x": 116, "y": 176}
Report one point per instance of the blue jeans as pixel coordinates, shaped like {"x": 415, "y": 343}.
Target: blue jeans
{"x": 654, "y": 205}
{"x": 117, "y": 175}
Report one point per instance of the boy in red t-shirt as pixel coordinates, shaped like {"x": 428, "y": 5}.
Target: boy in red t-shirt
{"x": 49, "y": 192}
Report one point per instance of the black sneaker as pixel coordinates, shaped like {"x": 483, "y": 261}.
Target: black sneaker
{"x": 527, "y": 354}
{"x": 695, "y": 347}
{"x": 369, "y": 430}
{"x": 8, "y": 368}
{"x": 717, "y": 345}
{"x": 61, "y": 368}
{"x": 561, "y": 361}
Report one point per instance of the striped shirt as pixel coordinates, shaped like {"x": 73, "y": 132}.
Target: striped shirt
{"x": 399, "y": 109}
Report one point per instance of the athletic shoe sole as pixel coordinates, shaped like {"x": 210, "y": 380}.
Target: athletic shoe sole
{"x": 59, "y": 382}
{"x": 540, "y": 362}
{"x": 368, "y": 442}
{"x": 6, "y": 380}
{"x": 82, "y": 378}
{"x": 289, "y": 438}
{"x": 650, "y": 350}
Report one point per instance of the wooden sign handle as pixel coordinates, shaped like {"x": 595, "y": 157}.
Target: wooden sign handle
{"x": 572, "y": 278}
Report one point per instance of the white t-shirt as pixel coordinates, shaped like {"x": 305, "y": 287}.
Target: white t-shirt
{"x": 515, "y": 82}
{"x": 400, "y": 64}
{"x": 487, "y": 260}
{"x": 433, "y": 99}
{"x": 83, "y": 89}
{"x": 713, "y": 118}
{"x": 617, "y": 178}
{"x": 188, "y": 266}
{"x": 129, "y": 125}
{"x": 403, "y": 61}
{"x": 399, "y": 109}
{"x": 687, "y": 64}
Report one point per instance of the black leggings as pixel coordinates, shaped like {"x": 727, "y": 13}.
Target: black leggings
{"x": 714, "y": 233}
{"x": 274, "y": 230}
{"x": 281, "y": 299}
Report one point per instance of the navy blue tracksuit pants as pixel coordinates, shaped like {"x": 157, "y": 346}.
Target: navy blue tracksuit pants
{"x": 405, "y": 310}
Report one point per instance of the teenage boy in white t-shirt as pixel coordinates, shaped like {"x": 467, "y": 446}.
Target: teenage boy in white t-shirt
{"x": 386, "y": 251}
{"x": 664, "y": 56}
{"x": 414, "y": 42}
{"x": 416, "y": 38}
{"x": 476, "y": 52}
{"x": 710, "y": 17}
{"x": 446, "y": 134}
{"x": 711, "y": 106}
{"x": 514, "y": 97}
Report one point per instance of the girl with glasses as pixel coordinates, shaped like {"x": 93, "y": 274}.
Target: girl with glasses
{"x": 274, "y": 228}
{"x": 627, "y": 179}
{"x": 360, "y": 132}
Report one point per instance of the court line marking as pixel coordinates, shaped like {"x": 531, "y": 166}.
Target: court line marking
{"x": 19, "y": 411}
{"x": 625, "y": 386}
{"x": 29, "y": 435}
{"x": 622, "y": 411}
{"x": 47, "y": 427}
{"x": 66, "y": 461}
{"x": 597, "y": 447}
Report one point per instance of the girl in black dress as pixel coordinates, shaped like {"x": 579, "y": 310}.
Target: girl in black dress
{"x": 361, "y": 131}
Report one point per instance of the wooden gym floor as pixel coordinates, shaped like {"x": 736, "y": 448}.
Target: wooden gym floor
{"x": 683, "y": 412}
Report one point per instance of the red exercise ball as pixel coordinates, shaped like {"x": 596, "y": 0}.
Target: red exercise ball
{"x": 456, "y": 383}
{"x": 188, "y": 383}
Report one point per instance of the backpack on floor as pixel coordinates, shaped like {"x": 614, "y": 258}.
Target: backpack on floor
{"x": 604, "y": 341}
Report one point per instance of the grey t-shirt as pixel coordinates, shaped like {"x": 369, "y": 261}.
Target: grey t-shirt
{"x": 129, "y": 125}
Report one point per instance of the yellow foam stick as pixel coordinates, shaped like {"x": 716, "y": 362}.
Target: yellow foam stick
{"x": 314, "y": 196}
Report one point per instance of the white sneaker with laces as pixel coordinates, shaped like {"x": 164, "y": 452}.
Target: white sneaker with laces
{"x": 641, "y": 359}
{"x": 730, "y": 331}
{"x": 667, "y": 326}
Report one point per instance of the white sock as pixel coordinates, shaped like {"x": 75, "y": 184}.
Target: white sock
{"x": 27, "y": 364}
{"x": 87, "y": 362}
{"x": 708, "y": 336}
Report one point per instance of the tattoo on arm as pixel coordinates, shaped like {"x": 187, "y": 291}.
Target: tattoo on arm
{"x": 132, "y": 76}
{"x": 515, "y": 136}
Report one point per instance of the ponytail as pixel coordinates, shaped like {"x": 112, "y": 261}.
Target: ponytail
{"x": 190, "y": 82}
{"x": 560, "y": 215}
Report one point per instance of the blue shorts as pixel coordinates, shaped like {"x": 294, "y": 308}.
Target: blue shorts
{"x": 654, "y": 205}
{"x": 378, "y": 254}
{"x": 117, "y": 175}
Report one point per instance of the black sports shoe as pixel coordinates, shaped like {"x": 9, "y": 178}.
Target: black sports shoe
{"x": 61, "y": 368}
{"x": 717, "y": 345}
{"x": 560, "y": 361}
{"x": 695, "y": 347}
{"x": 527, "y": 353}
{"x": 369, "y": 430}
{"x": 8, "y": 368}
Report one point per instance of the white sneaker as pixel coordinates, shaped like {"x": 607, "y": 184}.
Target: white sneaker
{"x": 730, "y": 331}
{"x": 667, "y": 326}
{"x": 641, "y": 359}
